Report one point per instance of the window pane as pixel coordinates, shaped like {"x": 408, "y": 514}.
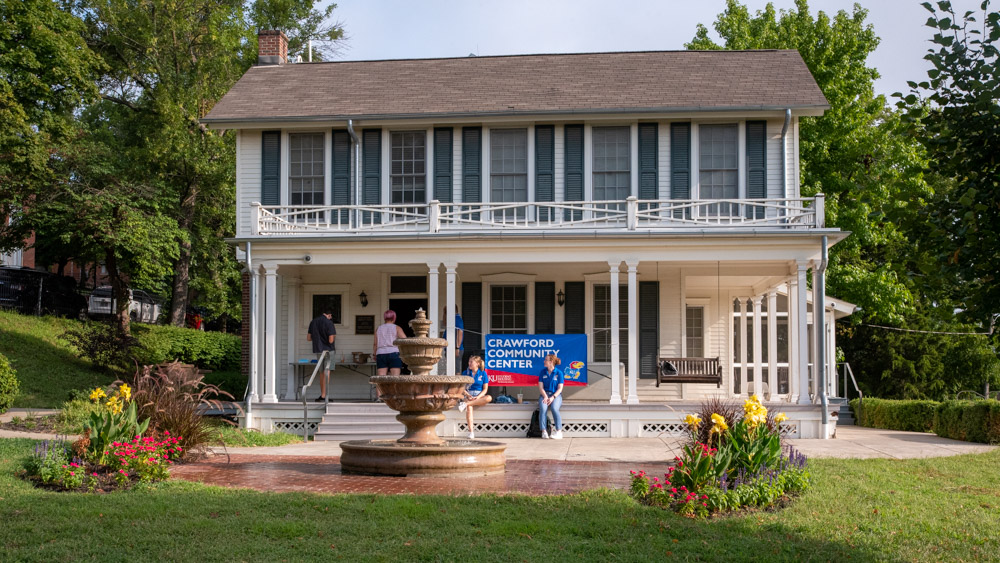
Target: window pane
{"x": 695, "y": 328}
{"x": 508, "y": 309}
{"x": 718, "y": 162}
{"x": 612, "y": 175}
{"x": 509, "y": 170}
{"x": 407, "y": 170}
{"x": 602, "y": 323}
{"x": 305, "y": 172}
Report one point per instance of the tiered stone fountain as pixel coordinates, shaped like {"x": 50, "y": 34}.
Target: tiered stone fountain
{"x": 421, "y": 399}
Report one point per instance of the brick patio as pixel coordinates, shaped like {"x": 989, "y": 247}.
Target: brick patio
{"x": 322, "y": 475}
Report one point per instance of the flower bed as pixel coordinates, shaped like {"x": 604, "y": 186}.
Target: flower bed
{"x": 740, "y": 465}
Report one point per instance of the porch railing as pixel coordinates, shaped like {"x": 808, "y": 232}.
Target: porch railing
{"x": 631, "y": 214}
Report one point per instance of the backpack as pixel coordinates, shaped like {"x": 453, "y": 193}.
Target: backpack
{"x": 535, "y": 428}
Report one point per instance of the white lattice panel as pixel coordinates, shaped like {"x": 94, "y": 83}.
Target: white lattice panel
{"x": 294, "y": 426}
{"x": 586, "y": 428}
{"x": 497, "y": 429}
{"x": 665, "y": 429}
{"x": 788, "y": 429}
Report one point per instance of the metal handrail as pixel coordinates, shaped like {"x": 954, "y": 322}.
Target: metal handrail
{"x": 305, "y": 404}
{"x": 848, "y": 371}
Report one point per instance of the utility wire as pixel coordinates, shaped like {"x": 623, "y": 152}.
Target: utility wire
{"x": 993, "y": 322}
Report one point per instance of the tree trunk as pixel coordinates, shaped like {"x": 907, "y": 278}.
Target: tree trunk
{"x": 119, "y": 291}
{"x": 182, "y": 269}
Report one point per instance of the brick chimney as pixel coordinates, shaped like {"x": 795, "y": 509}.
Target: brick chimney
{"x": 272, "y": 47}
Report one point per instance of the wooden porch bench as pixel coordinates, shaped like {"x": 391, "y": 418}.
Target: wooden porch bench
{"x": 690, "y": 370}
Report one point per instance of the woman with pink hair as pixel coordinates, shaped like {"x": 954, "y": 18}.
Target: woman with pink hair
{"x": 386, "y": 353}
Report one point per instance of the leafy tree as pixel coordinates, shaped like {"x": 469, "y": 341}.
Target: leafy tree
{"x": 46, "y": 73}
{"x": 956, "y": 115}
{"x": 854, "y": 153}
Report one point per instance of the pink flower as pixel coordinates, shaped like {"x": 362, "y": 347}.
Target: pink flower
{"x": 95, "y": 474}
{"x": 673, "y": 490}
{"x": 71, "y": 473}
{"x": 166, "y": 432}
{"x": 64, "y": 467}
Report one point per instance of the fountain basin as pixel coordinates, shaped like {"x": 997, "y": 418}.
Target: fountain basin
{"x": 452, "y": 458}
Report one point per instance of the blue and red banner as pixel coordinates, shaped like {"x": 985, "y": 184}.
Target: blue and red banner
{"x": 515, "y": 360}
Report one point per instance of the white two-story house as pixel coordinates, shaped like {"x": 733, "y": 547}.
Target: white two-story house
{"x": 648, "y": 200}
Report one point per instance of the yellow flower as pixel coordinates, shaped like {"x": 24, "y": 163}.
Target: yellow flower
{"x": 781, "y": 417}
{"x": 125, "y": 391}
{"x": 97, "y": 394}
{"x": 693, "y": 421}
{"x": 719, "y": 423}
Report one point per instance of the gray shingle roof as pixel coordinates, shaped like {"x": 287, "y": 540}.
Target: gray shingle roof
{"x": 658, "y": 81}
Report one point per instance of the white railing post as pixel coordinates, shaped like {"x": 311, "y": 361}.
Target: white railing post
{"x": 820, "y": 207}
{"x": 632, "y": 204}
{"x": 255, "y": 219}
{"x": 434, "y": 217}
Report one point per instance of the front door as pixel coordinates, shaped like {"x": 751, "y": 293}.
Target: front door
{"x": 406, "y": 311}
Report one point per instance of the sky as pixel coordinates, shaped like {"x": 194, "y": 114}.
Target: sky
{"x": 394, "y": 29}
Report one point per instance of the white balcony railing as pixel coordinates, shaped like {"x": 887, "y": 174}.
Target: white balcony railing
{"x": 629, "y": 215}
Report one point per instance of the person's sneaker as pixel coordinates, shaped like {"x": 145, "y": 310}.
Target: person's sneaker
{"x": 472, "y": 435}
{"x": 545, "y": 435}
{"x": 461, "y": 406}
{"x": 320, "y": 399}
{"x": 557, "y": 435}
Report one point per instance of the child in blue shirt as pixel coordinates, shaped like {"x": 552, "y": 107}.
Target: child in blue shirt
{"x": 550, "y": 384}
{"x": 475, "y": 393}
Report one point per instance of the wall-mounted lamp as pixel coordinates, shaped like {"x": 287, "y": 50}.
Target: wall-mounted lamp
{"x": 561, "y": 298}
{"x": 364, "y": 299}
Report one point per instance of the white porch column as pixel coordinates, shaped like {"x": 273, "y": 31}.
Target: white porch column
{"x": 270, "y": 333}
{"x": 254, "y": 331}
{"x": 793, "y": 339}
{"x": 616, "y": 383}
{"x": 819, "y": 331}
{"x": 802, "y": 331}
{"x": 772, "y": 344}
{"x": 633, "y": 332}
{"x": 292, "y": 287}
{"x": 743, "y": 346}
{"x": 758, "y": 349}
{"x": 449, "y": 316}
{"x": 432, "y": 301}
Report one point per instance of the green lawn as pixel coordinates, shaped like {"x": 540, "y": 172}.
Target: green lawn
{"x": 46, "y": 367}
{"x": 870, "y": 510}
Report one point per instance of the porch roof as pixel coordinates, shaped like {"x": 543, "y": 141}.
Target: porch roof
{"x": 545, "y": 84}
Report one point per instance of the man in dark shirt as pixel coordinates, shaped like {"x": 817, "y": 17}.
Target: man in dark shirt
{"x": 322, "y": 333}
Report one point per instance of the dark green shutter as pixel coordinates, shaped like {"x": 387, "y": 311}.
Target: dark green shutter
{"x": 575, "y": 320}
{"x": 472, "y": 317}
{"x": 472, "y": 164}
{"x": 341, "y": 176}
{"x": 757, "y": 164}
{"x": 443, "y": 158}
{"x": 648, "y": 153}
{"x": 545, "y": 307}
{"x": 371, "y": 172}
{"x": 270, "y": 169}
{"x": 680, "y": 164}
{"x": 545, "y": 162}
{"x": 649, "y": 328}
{"x": 573, "y": 166}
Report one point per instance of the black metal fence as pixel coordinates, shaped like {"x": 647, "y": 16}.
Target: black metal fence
{"x": 35, "y": 292}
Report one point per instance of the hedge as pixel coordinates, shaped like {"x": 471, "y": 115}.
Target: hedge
{"x": 9, "y": 386}
{"x": 971, "y": 421}
{"x": 207, "y": 350}
{"x": 911, "y": 416}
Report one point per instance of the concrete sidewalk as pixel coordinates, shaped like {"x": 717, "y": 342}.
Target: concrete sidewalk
{"x": 851, "y": 442}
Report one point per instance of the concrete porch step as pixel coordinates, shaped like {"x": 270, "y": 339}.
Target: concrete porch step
{"x": 358, "y": 421}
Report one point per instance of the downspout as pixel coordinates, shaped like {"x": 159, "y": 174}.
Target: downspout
{"x": 357, "y": 169}
{"x": 784, "y": 153}
{"x": 252, "y": 387}
{"x": 819, "y": 316}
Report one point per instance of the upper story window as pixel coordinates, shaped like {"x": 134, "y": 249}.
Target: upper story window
{"x": 509, "y": 169}
{"x": 612, "y": 173}
{"x": 718, "y": 165}
{"x": 408, "y": 173}
{"x": 305, "y": 169}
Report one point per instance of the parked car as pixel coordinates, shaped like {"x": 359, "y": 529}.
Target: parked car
{"x": 37, "y": 292}
{"x": 142, "y": 307}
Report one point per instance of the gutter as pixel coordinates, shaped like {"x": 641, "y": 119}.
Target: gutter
{"x": 357, "y": 166}
{"x": 819, "y": 313}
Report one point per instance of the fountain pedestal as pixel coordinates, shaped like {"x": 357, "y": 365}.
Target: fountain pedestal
{"x": 421, "y": 399}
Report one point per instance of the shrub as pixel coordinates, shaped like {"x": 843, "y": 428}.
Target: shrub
{"x": 972, "y": 421}
{"x": 911, "y": 416}
{"x": 105, "y": 344}
{"x": 172, "y": 396}
{"x": 207, "y": 350}
{"x": 9, "y": 387}
{"x": 75, "y": 413}
{"x": 230, "y": 381}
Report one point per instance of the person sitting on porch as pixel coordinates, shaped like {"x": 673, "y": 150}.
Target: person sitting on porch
{"x": 322, "y": 333}
{"x": 475, "y": 393}
{"x": 550, "y": 383}
{"x": 386, "y": 353}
